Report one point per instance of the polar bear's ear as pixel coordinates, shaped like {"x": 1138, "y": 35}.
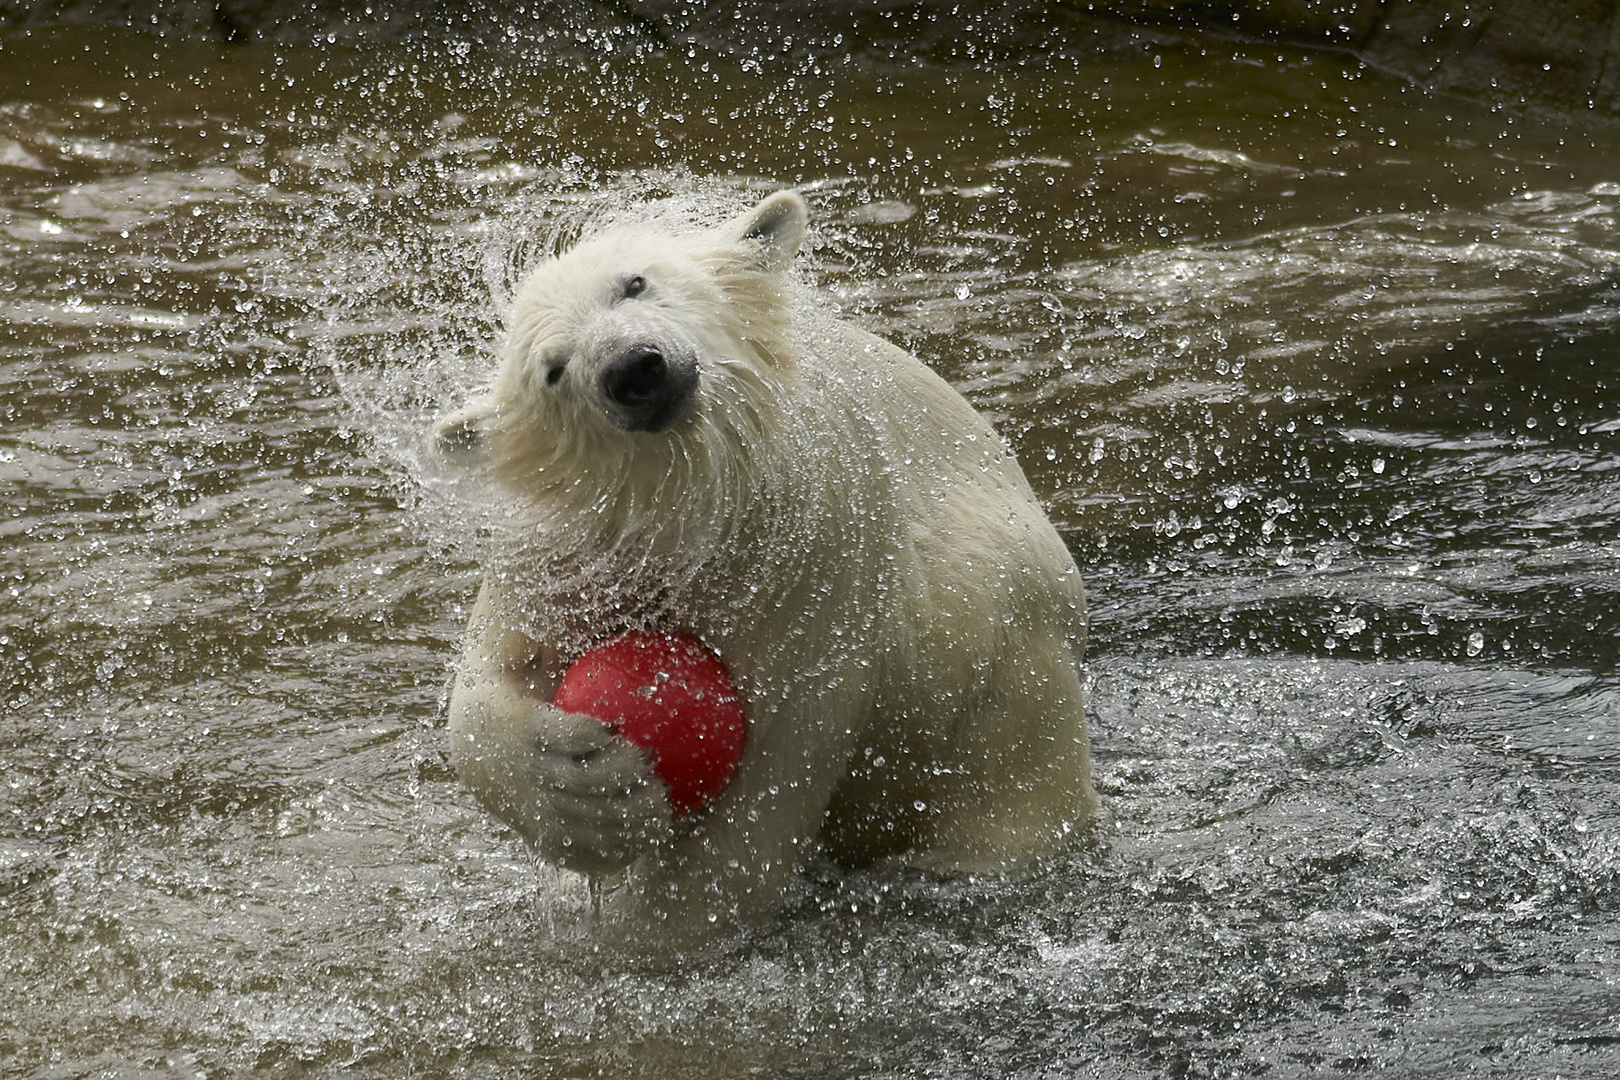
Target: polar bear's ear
{"x": 462, "y": 437}
{"x": 773, "y": 230}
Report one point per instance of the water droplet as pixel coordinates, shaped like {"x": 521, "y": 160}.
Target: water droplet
{"x": 1476, "y": 643}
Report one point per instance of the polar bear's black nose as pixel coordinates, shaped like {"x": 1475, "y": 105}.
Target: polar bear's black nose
{"x": 636, "y": 377}
{"x": 648, "y": 391}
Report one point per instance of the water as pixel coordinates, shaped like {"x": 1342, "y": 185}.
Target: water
{"x": 1314, "y": 369}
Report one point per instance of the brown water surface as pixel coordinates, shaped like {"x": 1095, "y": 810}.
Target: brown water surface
{"x": 1317, "y": 372}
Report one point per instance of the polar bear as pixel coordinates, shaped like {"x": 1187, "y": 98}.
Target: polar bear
{"x": 685, "y": 447}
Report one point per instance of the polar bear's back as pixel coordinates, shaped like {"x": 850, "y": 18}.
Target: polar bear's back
{"x": 959, "y": 489}
{"x": 979, "y": 564}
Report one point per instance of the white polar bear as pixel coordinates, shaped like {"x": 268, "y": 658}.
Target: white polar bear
{"x": 687, "y": 449}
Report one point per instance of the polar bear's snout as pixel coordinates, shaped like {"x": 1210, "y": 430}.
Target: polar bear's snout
{"x": 648, "y": 388}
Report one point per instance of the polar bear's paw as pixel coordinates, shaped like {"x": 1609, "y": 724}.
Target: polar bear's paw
{"x": 607, "y": 807}
{"x": 586, "y": 799}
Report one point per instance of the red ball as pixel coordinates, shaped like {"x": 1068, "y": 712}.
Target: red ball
{"x": 670, "y": 695}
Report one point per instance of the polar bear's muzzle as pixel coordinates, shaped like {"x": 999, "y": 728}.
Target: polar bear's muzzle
{"x": 648, "y": 388}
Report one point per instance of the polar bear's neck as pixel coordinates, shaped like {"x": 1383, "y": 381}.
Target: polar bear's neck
{"x": 719, "y": 525}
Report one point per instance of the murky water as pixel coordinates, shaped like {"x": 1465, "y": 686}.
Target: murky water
{"x": 1316, "y": 371}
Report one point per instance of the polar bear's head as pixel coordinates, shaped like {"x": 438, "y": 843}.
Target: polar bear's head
{"x": 638, "y": 343}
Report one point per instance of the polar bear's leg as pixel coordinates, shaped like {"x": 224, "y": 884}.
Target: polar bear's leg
{"x": 1025, "y": 779}
{"x": 744, "y": 851}
{"x": 585, "y": 799}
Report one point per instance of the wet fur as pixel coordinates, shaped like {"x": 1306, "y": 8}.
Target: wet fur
{"x": 833, "y": 518}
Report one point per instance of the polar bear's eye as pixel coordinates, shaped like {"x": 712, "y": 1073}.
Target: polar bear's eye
{"x": 634, "y": 286}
